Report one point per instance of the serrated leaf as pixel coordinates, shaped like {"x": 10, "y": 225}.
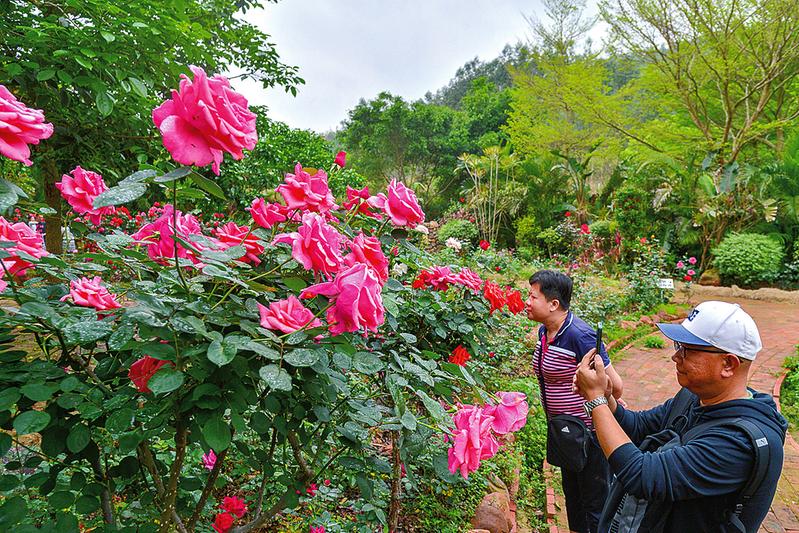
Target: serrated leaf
{"x": 277, "y": 378}
{"x": 216, "y": 433}
{"x": 31, "y": 422}
{"x": 438, "y": 413}
{"x": 121, "y": 194}
{"x": 301, "y": 357}
{"x": 139, "y": 176}
{"x": 165, "y": 380}
{"x": 78, "y": 438}
{"x": 367, "y": 362}
{"x": 87, "y": 331}
{"x": 173, "y": 175}
{"x": 221, "y": 353}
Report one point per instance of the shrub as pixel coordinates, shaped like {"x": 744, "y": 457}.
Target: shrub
{"x": 527, "y": 232}
{"x": 463, "y": 230}
{"x": 748, "y": 258}
{"x": 654, "y": 342}
{"x": 551, "y": 240}
{"x": 633, "y": 213}
{"x": 604, "y": 229}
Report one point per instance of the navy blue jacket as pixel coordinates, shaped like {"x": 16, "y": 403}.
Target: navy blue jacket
{"x": 703, "y": 476}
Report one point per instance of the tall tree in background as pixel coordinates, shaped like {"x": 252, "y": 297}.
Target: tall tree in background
{"x": 97, "y": 68}
{"x": 730, "y": 63}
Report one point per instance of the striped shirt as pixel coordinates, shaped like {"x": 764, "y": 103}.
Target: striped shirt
{"x": 574, "y": 339}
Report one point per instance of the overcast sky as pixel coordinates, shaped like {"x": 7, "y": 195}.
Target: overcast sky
{"x": 352, "y": 49}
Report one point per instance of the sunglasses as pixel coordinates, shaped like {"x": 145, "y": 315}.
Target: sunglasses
{"x": 680, "y": 349}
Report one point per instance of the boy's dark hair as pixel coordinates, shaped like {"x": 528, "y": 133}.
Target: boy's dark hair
{"x": 554, "y": 285}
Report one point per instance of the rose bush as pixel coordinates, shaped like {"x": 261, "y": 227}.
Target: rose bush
{"x": 275, "y": 342}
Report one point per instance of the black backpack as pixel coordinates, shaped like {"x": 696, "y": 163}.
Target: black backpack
{"x": 625, "y": 513}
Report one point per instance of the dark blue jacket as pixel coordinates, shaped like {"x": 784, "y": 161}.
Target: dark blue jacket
{"x": 703, "y": 476}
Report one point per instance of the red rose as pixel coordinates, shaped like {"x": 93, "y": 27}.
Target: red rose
{"x": 459, "y": 356}
{"x": 495, "y": 295}
{"x": 485, "y": 245}
{"x": 568, "y": 214}
{"x": 223, "y": 522}
{"x": 142, "y": 370}
{"x": 234, "y": 505}
{"x": 687, "y": 278}
{"x": 515, "y": 302}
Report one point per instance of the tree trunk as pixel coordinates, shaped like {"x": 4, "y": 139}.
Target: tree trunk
{"x": 52, "y": 196}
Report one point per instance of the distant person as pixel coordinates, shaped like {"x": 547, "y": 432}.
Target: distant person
{"x": 707, "y": 459}
{"x": 563, "y": 339}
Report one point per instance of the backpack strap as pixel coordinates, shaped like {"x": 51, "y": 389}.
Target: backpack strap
{"x": 678, "y": 412}
{"x": 762, "y": 459}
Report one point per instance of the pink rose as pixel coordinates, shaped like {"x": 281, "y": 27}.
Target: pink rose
{"x": 91, "y": 293}
{"x": 401, "y": 205}
{"x": 223, "y": 522}
{"x": 680, "y": 264}
{"x": 80, "y": 190}
{"x": 209, "y": 460}
{"x": 440, "y": 277}
{"x": 317, "y": 529}
{"x": 158, "y": 235}
{"x": 692, "y": 260}
{"x": 510, "y": 415}
{"x": 691, "y": 272}
{"x": 266, "y": 215}
{"x": 26, "y": 240}
{"x": 20, "y": 126}
{"x": 232, "y": 234}
{"x": 287, "y": 315}
{"x": 364, "y": 201}
{"x": 367, "y": 250}
{"x": 584, "y": 229}
{"x": 204, "y": 119}
{"x": 309, "y": 193}
{"x": 469, "y": 279}
{"x": 473, "y": 440}
{"x": 3, "y": 285}
{"x": 315, "y": 244}
{"x": 356, "y": 297}
{"x": 341, "y": 159}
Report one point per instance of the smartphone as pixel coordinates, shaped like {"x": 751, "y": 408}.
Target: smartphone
{"x": 598, "y": 342}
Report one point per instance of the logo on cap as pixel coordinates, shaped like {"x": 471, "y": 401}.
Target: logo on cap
{"x": 693, "y": 314}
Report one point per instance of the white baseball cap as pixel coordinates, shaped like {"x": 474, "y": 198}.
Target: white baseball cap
{"x": 719, "y": 324}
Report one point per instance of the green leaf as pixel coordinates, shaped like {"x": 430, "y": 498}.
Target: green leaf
{"x": 302, "y": 357}
{"x": 276, "y": 377}
{"x": 109, "y": 37}
{"x": 438, "y": 413}
{"x": 82, "y": 61}
{"x": 31, "y": 422}
{"x": 216, "y": 433}
{"x": 367, "y": 362}
{"x": 295, "y": 284}
{"x": 44, "y": 75}
{"x": 120, "y": 421}
{"x": 8, "y": 397}
{"x": 138, "y": 87}
{"x": 61, "y": 499}
{"x": 139, "y": 176}
{"x": 121, "y": 194}
{"x": 79, "y": 437}
{"x": 173, "y": 175}
{"x": 86, "y": 331}
{"x": 408, "y": 420}
{"x": 12, "y": 512}
{"x": 208, "y": 186}
{"x": 221, "y": 353}
{"x": 39, "y": 392}
{"x": 165, "y": 380}
{"x": 121, "y": 336}
{"x": 87, "y": 504}
{"x": 105, "y": 104}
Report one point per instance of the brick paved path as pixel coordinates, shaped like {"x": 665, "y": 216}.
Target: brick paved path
{"x": 649, "y": 380}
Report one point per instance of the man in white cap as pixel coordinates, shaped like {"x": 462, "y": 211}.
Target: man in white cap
{"x": 706, "y": 460}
